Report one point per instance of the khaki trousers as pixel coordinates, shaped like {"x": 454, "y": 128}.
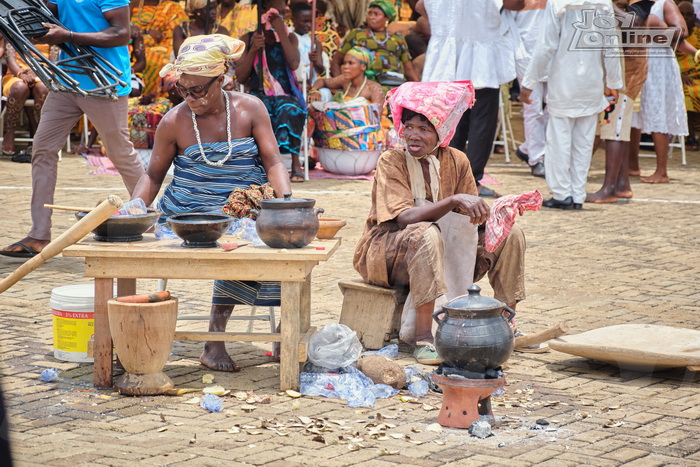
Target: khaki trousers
{"x": 59, "y": 115}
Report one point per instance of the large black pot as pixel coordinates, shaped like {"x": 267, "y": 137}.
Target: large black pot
{"x": 474, "y": 332}
{"x": 287, "y": 222}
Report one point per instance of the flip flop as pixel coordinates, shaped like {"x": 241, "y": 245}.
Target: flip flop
{"x": 297, "y": 177}
{"x": 28, "y": 252}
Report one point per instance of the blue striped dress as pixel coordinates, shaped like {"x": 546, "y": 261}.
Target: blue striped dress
{"x": 200, "y": 187}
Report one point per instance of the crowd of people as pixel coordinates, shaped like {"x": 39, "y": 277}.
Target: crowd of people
{"x": 234, "y": 87}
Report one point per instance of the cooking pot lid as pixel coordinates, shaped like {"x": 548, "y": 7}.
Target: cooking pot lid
{"x": 474, "y": 301}
{"x": 287, "y": 202}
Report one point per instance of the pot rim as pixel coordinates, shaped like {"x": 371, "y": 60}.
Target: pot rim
{"x": 287, "y": 202}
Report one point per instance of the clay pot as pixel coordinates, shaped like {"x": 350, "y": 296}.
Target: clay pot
{"x": 200, "y": 230}
{"x": 474, "y": 332}
{"x": 123, "y": 228}
{"x": 287, "y": 222}
{"x": 328, "y": 227}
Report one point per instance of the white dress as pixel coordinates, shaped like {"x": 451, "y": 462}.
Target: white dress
{"x": 663, "y": 105}
{"x": 469, "y": 41}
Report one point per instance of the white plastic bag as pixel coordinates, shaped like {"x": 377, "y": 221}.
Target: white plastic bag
{"x": 334, "y": 346}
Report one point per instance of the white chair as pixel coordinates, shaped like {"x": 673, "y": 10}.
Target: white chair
{"x": 504, "y": 131}
{"x": 676, "y": 142}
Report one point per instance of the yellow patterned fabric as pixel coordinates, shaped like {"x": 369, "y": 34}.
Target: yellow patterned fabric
{"x": 688, "y": 67}
{"x": 159, "y": 20}
{"x": 205, "y": 55}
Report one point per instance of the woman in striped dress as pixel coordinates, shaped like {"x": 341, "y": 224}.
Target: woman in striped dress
{"x": 217, "y": 141}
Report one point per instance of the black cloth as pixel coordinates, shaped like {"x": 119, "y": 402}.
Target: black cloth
{"x": 478, "y": 126}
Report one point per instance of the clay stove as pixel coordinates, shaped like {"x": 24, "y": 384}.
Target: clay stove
{"x": 474, "y": 338}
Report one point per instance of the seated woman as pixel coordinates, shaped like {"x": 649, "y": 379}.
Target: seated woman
{"x": 414, "y": 189}
{"x": 353, "y": 82}
{"x": 19, "y": 84}
{"x": 198, "y": 23}
{"x": 275, "y": 54}
{"x": 156, "y": 19}
{"x": 390, "y": 50}
{"x": 217, "y": 141}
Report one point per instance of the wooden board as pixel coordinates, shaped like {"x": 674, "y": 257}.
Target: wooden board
{"x": 641, "y": 347}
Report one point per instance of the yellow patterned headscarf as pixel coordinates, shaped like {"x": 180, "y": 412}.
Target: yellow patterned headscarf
{"x": 205, "y": 55}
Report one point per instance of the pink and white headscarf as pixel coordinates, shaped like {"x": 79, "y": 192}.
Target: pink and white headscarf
{"x": 441, "y": 102}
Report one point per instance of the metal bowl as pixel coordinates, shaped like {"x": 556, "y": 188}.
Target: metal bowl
{"x": 200, "y": 230}
{"x": 127, "y": 228}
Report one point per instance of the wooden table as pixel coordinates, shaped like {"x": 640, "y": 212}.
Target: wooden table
{"x": 166, "y": 259}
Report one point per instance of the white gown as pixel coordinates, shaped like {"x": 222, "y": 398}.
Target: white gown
{"x": 663, "y": 104}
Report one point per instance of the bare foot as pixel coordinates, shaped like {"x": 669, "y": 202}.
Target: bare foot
{"x": 33, "y": 243}
{"x": 216, "y": 358}
{"x": 624, "y": 194}
{"x": 634, "y": 173}
{"x": 655, "y": 178}
{"x": 601, "y": 197}
{"x": 276, "y": 351}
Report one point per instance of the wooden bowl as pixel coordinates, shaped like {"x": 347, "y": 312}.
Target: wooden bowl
{"x": 328, "y": 227}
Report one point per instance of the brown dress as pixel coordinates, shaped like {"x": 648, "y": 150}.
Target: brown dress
{"x": 386, "y": 253}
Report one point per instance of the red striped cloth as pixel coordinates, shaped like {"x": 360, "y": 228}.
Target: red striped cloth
{"x": 503, "y": 214}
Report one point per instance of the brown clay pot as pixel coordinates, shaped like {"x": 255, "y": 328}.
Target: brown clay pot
{"x": 287, "y": 222}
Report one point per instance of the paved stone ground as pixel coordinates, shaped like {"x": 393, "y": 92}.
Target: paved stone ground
{"x": 634, "y": 261}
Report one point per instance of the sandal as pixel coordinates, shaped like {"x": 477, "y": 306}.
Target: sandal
{"x": 297, "y": 177}
{"x": 426, "y": 354}
{"x": 22, "y": 156}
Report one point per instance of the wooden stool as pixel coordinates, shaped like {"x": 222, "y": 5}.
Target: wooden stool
{"x": 373, "y": 312}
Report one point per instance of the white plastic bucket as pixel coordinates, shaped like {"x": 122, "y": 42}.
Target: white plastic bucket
{"x": 73, "y": 310}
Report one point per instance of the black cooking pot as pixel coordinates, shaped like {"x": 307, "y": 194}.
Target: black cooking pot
{"x": 474, "y": 332}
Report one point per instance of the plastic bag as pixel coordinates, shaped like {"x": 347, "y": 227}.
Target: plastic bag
{"x": 212, "y": 403}
{"x": 334, "y": 346}
{"x": 350, "y": 384}
{"x": 390, "y": 351}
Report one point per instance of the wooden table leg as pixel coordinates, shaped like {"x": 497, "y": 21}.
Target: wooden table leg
{"x": 104, "y": 290}
{"x": 305, "y": 305}
{"x": 126, "y": 287}
{"x": 290, "y": 320}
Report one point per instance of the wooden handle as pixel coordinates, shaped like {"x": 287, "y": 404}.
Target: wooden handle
{"x": 56, "y": 207}
{"x": 542, "y": 336}
{"x": 81, "y": 228}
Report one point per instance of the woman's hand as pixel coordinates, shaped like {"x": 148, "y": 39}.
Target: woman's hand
{"x": 155, "y": 34}
{"x": 28, "y": 77}
{"x": 475, "y": 207}
{"x": 257, "y": 42}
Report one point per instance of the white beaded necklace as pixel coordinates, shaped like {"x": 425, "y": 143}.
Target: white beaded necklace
{"x": 221, "y": 162}
{"x": 386, "y": 37}
{"x": 364, "y": 81}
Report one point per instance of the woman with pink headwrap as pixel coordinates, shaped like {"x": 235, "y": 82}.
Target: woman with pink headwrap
{"x": 415, "y": 189}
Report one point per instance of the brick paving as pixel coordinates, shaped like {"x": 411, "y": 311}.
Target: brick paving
{"x": 633, "y": 261}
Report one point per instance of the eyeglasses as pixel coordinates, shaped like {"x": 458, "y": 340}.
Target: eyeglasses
{"x": 197, "y": 92}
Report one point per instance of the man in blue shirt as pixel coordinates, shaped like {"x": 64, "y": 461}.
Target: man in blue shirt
{"x": 103, "y": 25}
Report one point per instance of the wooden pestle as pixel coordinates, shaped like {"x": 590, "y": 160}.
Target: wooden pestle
{"x": 542, "y": 336}
{"x": 80, "y": 229}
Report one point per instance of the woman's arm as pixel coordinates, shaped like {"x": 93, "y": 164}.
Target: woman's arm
{"x": 410, "y": 72}
{"x": 376, "y": 93}
{"x": 475, "y": 208}
{"x": 289, "y": 42}
{"x": 138, "y": 50}
{"x": 338, "y": 59}
{"x": 164, "y": 151}
{"x": 244, "y": 67}
{"x": 178, "y": 39}
{"x": 264, "y": 137}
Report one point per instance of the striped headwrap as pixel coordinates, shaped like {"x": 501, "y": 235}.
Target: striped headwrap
{"x": 365, "y": 57}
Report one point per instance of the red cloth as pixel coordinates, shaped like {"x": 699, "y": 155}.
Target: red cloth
{"x": 503, "y": 214}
